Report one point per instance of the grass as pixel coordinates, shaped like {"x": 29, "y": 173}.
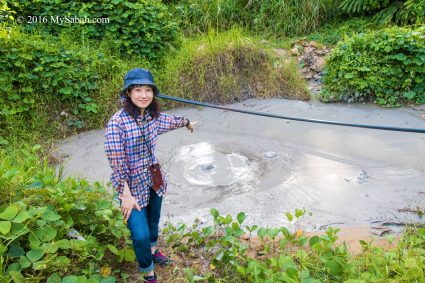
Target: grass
{"x": 275, "y": 17}
{"x": 230, "y": 67}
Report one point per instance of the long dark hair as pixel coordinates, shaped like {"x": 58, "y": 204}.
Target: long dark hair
{"x": 133, "y": 110}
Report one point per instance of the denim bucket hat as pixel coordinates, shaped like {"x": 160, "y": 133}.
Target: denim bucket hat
{"x": 139, "y": 76}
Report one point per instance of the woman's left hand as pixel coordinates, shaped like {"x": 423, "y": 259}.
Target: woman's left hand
{"x": 191, "y": 126}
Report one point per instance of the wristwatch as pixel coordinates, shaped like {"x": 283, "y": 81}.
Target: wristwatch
{"x": 187, "y": 123}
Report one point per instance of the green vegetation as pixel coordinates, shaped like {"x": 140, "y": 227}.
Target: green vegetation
{"x": 272, "y": 18}
{"x": 281, "y": 255}
{"x": 387, "y": 11}
{"x": 386, "y": 66}
{"x": 49, "y": 81}
{"x": 229, "y": 67}
{"x": 142, "y": 28}
{"x": 60, "y": 79}
{"x": 52, "y": 228}
{"x": 332, "y": 33}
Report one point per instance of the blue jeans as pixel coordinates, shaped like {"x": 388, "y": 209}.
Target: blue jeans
{"x": 143, "y": 226}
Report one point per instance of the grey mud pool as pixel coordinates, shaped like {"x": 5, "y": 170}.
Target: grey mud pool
{"x": 263, "y": 166}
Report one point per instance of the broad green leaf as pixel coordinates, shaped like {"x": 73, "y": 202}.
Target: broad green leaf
{"x": 214, "y": 212}
{"x": 208, "y": 231}
{"x": 62, "y": 260}
{"x": 64, "y": 244}
{"x": 23, "y": 260}
{"x": 34, "y": 241}
{"x": 14, "y": 267}
{"x": 5, "y": 227}
{"x": 19, "y": 228}
{"x": 21, "y": 217}
{"x": 113, "y": 249}
{"x": 70, "y": 279}
{"x": 241, "y": 217}
{"x": 15, "y": 251}
{"x": 129, "y": 255}
{"x": 262, "y": 232}
{"x": 9, "y": 213}
{"x": 17, "y": 277}
{"x": 54, "y": 278}
{"x": 35, "y": 254}
{"x": 50, "y": 216}
{"x": 289, "y": 216}
{"x": 46, "y": 233}
{"x": 109, "y": 279}
{"x": 49, "y": 248}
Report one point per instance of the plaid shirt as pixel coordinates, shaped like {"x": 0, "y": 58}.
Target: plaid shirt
{"x": 128, "y": 154}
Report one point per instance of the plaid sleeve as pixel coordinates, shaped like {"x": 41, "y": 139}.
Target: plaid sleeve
{"x": 114, "y": 149}
{"x": 166, "y": 123}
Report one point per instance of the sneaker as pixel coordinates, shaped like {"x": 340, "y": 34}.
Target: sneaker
{"x": 150, "y": 278}
{"x": 160, "y": 259}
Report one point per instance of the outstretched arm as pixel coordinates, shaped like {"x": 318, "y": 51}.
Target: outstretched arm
{"x": 166, "y": 123}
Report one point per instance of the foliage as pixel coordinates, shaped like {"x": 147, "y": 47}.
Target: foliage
{"x": 386, "y": 66}
{"x": 332, "y": 32}
{"x": 388, "y": 11}
{"x": 274, "y": 18}
{"x": 137, "y": 27}
{"x": 51, "y": 86}
{"x": 53, "y": 228}
{"x": 284, "y": 255}
{"x": 229, "y": 67}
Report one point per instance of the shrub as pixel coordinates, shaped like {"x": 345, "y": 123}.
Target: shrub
{"x": 138, "y": 27}
{"x": 229, "y": 67}
{"x": 386, "y": 66}
{"x": 387, "y": 11}
{"x": 48, "y": 86}
{"x": 280, "y": 254}
{"x": 55, "y": 228}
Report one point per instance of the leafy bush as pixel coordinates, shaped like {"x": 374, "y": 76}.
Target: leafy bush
{"x": 138, "y": 27}
{"x": 54, "y": 228}
{"x": 388, "y": 11}
{"x": 387, "y": 66}
{"x": 51, "y": 86}
{"x": 275, "y": 18}
{"x": 282, "y": 254}
{"x": 331, "y": 33}
{"x": 229, "y": 67}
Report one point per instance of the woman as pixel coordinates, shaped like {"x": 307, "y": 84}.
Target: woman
{"x": 131, "y": 136}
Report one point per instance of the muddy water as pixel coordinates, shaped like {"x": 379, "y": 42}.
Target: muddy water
{"x": 236, "y": 162}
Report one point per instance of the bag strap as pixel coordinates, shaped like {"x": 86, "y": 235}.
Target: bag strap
{"x": 144, "y": 140}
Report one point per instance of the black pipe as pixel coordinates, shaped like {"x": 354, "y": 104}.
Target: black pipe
{"x": 385, "y": 128}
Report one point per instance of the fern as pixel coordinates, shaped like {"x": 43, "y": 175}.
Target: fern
{"x": 362, "y": 6}
{"x": 386, "y": 15}
{"x": 387, "y": 11}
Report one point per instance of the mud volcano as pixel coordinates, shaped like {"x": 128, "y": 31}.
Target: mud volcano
{"x": 236, "y": 162}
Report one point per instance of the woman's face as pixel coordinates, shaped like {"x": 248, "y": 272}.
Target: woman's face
{"x": 141, "y": 96}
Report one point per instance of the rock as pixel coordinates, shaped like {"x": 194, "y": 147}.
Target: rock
{"x": 317, "y": 77}
{"x": 270, "y": 154}
{"x": 308, "y": 75}
{"x": 295, "y": 52}
{"x": 318, "y": 64}
{"x": 304, "y": 43}
{"x": 315, "y": 44}
{"x": 308, "y": 59}
{"x": 245, "y": 237}
{"x": 308, "y": 49}
{"x": 259, "y": 87}
{"x": 281, "y": 52}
